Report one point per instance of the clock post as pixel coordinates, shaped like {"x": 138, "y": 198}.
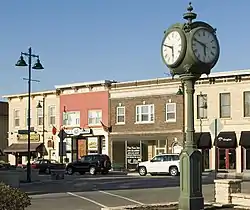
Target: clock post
{"x": 198, "y": 55}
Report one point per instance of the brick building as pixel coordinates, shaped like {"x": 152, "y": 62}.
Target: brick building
{"x": 84, "y": 111}
{"x": 146, "y": 118}
{"x": 4, "y": 115}
{"x": 18, "y": 136}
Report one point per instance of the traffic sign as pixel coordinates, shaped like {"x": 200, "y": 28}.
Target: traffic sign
{"x": 212, "y": 127}
{"x": 62, "y": 134}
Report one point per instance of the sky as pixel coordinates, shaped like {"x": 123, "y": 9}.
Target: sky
{"x": 90, "y": 40}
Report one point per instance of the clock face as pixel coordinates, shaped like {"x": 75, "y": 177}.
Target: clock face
{"x": 172, "y": 47}
{"x": 205, "y": 46}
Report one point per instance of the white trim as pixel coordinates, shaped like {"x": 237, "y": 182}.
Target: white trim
{"x": 94, "y": 111}
{"x": 150, "y": 107}
{"x": 86, "y": 84}
{"x": 121, "y": 115}
{"x": 49, "y": 116}
{"x": 170, "y": 120}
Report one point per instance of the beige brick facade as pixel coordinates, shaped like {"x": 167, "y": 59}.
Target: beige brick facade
{"x": 18, "y": 104}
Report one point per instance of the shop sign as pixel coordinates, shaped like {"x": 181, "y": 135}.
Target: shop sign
{"x": 133, "y": 155}
{"x": 224, "y": 139}
{"x": 24, "y": 137}
{"x": 77, "y": 131}
{"x": 92, "y": 143}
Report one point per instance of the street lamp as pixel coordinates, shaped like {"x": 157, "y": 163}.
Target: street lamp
{"x": 181, "y": 92}
{"x": 37, "y": 66}
{"x": 41, "y": 105}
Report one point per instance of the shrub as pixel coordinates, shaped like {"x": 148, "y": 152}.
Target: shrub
{"x": 12, "y": 198}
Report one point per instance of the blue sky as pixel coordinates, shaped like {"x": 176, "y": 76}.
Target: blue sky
{"x": 88, "y": 40}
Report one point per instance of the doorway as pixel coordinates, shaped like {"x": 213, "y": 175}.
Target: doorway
{"x": 227, "y": 159}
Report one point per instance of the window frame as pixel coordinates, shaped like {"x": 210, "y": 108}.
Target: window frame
{"x": 201, "y": 107}
{"x": 50, "y": 115}
{"x": 94, "y": 111}
{"x": 117, "y": 115}
{"x": 221, "y": 106}
{"x": 77, "y": 119}
{"x": 151, "y": 115}
{"x": 167, "y": 112}
{"x": 16, "y": 118}
{"x": 26, "y": 116}
{"x": 245, "y": 113}
{"x": 39, "y": 115}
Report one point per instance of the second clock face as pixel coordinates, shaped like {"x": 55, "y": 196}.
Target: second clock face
{"x": 205, "y": 46}
{"x": 171, "y": 48}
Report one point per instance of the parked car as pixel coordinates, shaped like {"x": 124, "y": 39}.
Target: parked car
{"x": 46, "y": 165}
{"x": 161, "y": 164}
{"x": 90, "y": 163}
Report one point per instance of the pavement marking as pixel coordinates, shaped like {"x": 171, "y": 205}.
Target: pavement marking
{"x": 87, "y": 199}
{"x": 122, "y": 197}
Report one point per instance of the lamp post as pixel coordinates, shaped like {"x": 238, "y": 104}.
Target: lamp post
{"x": 189, "y": 50}
{"x": 37, "y": 66}
{"x": 41, "y": 105}
{"x": 203, "y": 106}
{"x": 181, "y": 92}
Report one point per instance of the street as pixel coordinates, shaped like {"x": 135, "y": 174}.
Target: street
{"x": 93, "y": 193}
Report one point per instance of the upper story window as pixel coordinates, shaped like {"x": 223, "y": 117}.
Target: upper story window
{"x": 120, "y": 115}
{"x": 202, "y": 106}
{"x": 225, "y": 105}
{"x": 26, "y": 116}
{"x": 16, "y": 118}
{"x": 145, "y": 113}
{"x": 71, "y": 118}
{"x": 246, "y": 98}
{"x": 94, "y": 117}
{"x": 40, "y": 116}
{"x": 171, "y": 112}
{"x": 52, "y": 115}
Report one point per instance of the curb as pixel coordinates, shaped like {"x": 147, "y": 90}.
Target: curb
{"x": 167, "y": 205}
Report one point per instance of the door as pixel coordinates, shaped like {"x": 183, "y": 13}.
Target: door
{"x": 156, "y": 164}
{"x": 85, "y": 162}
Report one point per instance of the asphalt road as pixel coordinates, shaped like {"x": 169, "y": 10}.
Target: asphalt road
{"x": 93, "y": 193}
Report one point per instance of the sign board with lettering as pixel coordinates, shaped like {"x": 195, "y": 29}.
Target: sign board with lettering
{"x": 78, "y": 131}
{"x": 133, "y": 155}
{"x": 24, "y": 137}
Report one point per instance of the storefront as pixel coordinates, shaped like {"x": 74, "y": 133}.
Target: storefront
{"x": 80, "y": 142}
{"x": 245, "y": 144}
{"x": 128, "y": 150}
{"x": 226, "y": 143}
{"x": 204, "y": 143}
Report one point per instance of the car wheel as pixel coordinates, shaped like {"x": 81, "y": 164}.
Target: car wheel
{"x": 70, "y": 170}
{"x": 92, "y": 170}
{"x": 173, "y": 171}
{"x": 142, "y": 171}
{"x": 47, "y": 170}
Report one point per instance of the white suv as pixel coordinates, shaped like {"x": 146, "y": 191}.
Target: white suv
{"x": 161, "y": 164}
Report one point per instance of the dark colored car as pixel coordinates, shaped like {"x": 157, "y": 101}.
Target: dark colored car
{"x": 46, "y": 165}
{"x": 90, "y": 163}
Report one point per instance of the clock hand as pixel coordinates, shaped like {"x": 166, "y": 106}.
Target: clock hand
{"x": 204, "y": 45}
{"x": 168, "y": 46}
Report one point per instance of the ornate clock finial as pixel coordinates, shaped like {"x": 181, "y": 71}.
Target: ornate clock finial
{"x": 189, "y": 15}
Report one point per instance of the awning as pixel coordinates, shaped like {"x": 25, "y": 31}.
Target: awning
{"x": 203, "y": 140}
{"x": 226, "y": 140}
{"x": 245, "y": 139}
{"x": 134, "y": 137}
{"x": 23, "y": 147}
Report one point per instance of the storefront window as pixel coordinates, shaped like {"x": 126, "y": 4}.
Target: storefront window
{"x": 227, "y": 159}
{"x": 247, "y": 159}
